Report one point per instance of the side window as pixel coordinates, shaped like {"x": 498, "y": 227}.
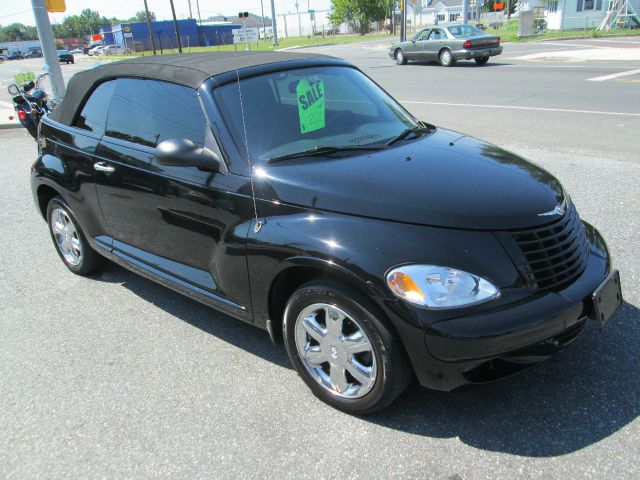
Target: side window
{"x": 149, "y": 111}
{"x": 435, "y": 35}
{"x": 422, "y": 35}
{"x": 93, "y": 116}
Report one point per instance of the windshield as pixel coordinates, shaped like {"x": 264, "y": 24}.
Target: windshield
{"x": 298, "y": 110}
{"x": 465, "y": 31}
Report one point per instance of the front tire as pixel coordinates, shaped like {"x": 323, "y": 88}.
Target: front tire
{"x": 401, "y": 58}
{"x": 446, "y": 58}
{"x": 342, "y": 349}
{"x": 69, "y": 240}
{"x": 481, "y": 60}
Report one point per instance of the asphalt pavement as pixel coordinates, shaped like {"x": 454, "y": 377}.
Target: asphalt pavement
{"x": 115, "y": 376}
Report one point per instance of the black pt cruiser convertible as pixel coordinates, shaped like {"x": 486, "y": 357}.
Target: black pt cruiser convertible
{"x": 292, "y": 192}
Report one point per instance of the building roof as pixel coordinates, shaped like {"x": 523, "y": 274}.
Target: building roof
{"x": 185, "y": 69}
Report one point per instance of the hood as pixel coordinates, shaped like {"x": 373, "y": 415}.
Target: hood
{"x": 444, "y": 179}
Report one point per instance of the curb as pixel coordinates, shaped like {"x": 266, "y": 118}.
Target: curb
{"x": 8, "y": 126}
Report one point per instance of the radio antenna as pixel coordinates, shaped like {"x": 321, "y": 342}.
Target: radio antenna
{"x": 258, "y": 225}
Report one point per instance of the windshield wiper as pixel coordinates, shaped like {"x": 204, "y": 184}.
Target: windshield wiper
{"x": 324, "y": 150}
{"x": 421, "y": 129}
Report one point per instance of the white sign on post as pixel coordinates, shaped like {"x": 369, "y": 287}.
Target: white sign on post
{"x": 245, "y": 35}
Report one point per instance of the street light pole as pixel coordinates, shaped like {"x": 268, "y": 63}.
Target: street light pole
{"x": 48, "y": 43}
{"x": 273, "y": 24}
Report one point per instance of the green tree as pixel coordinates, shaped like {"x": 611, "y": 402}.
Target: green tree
{"x": 16, "y": 32}
{"x": 358, "y": 13}
{"x": 141, "y": 16}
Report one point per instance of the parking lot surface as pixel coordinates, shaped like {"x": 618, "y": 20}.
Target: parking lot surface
{"x": 115, "y": 376}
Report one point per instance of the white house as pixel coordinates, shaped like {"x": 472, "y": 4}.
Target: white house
{"x": 572, "y": 14}
{"x": 443, "y": 11}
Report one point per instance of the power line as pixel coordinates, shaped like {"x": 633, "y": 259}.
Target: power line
{"x": 15, "y": 13}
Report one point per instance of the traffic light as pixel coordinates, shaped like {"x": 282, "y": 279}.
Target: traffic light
{"x": 243, "y": 14}
{"x": 54, "y": 6}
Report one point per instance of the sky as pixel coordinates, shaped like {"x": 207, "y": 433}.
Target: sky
{"x": 12, "y": 11}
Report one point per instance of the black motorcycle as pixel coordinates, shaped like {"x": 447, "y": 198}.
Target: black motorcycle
{"x": 31, "y": 103}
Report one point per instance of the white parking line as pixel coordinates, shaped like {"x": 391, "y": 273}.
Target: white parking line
{"x": 6, "y": 104}
{"x": 514, "y": 107}
{"x": 615, "y": 41}
{"x": 563, "y": 44}
{"x": 613, "y": 75}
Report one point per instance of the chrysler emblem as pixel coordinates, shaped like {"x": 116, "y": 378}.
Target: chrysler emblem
{"x": 559, "y": 210}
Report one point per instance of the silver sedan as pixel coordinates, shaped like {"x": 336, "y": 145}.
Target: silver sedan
{"x": 447, "y": 45}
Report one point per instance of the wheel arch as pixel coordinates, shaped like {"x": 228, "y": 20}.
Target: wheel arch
{"x": 45, "y": 193}
{"x": 297, "y": 272}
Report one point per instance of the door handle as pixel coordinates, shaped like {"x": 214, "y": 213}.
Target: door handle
{"x": 103, "y": 167}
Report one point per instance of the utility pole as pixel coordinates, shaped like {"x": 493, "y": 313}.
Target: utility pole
{"x": 508, "y": 9}
{"x": 175, "y": 25}
{"x": 299, "y": 21}
{"x": 264, "y": 26}
{"x": 190, "y": 12}
{"x": 465, "y": 9}
{"x": 151, "y": 42}
{"x": 403, "y": 21}
{"x": 48, "y": 43}
{"x": 198, "y": 8}
{"x": 273, "y": 24}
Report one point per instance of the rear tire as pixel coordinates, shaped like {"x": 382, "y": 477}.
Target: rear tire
{"x": 345, "y": 353}
{"x": 401, "y": 58}
{"x": 481, "y": 60}
{"x": 446, "y": 58}
{"x": 69, "y": 240}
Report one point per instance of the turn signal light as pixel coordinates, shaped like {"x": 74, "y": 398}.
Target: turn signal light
{"x": 22, "y": 114}
{"x": 498, "y": 40}
{"x": 405, "y": 287}
{"x": 467, "y": 44}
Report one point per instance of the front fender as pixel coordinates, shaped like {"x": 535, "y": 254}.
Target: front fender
{"x": 361, "y": 250}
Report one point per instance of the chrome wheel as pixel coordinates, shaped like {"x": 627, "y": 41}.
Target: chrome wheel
{"x": 335, "y": 350}
{"x": 66, "y": 237}
{"x": 400, "y": 57}
{"x": 446, "y": 57}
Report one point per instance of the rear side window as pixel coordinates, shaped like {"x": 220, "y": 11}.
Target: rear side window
{"x": 147, "y": 112}
{"x": 93, "y": 116}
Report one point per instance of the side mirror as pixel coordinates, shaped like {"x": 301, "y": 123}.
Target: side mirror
{"x": 185, "y": 153}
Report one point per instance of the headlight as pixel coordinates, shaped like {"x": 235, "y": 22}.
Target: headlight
{"x": 438, "y": 287}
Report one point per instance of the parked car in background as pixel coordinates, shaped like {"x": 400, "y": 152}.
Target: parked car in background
{"x": 110, "y": 50}
{"x": 3, "y": 58}
{"x": 15, "y": 56}
{"x": 447, "y": 45}
{"x": 76, "y": 51}
{"x": 34, "y": 53}
{"x": 95, "y": 50}
{"x": 290, "y": 191}
{"x": 65, "y": 57}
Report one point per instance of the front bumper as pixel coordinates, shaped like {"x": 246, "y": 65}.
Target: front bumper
{"x": 495, "y": 343}
{"x": 465, "y": 54}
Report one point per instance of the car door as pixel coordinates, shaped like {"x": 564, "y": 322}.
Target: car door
{"x": 73, "y": 154}
{"x": 420, "y": 42}
{"x": 434, "y": 43}
{"x": 185, "y": 225}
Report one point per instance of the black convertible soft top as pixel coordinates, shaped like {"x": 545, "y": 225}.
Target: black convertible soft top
{"x": 185, "y": 69}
